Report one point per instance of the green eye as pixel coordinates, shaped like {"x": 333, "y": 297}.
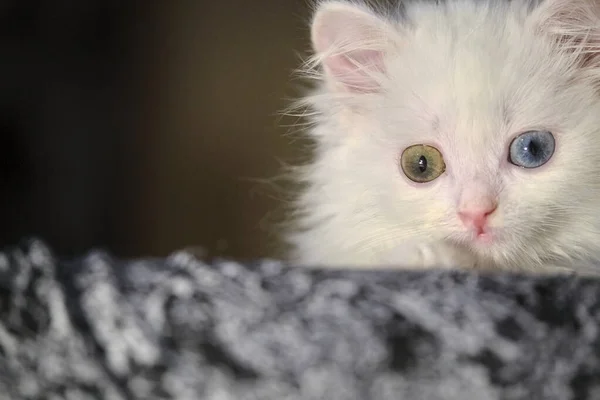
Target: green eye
{"x": 422, "y": 163}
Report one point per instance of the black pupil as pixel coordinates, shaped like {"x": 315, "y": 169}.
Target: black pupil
{"x": 422, "y": 163}
{"x": 532, "y": 148}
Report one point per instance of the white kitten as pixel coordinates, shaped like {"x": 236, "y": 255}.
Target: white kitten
{"x": 464, "y": 133}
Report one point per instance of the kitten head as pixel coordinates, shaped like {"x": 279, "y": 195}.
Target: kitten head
{"x": 473, "y": 122}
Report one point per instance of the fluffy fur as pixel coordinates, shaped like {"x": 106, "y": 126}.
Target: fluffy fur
{"x": 466, "y": 76}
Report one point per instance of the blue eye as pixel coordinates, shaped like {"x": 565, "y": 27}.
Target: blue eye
{"x": 531, "y": 149}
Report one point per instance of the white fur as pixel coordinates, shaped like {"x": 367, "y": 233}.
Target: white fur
{"x": 465, "y": 76}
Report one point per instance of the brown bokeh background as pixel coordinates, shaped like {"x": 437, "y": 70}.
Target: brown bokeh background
{"x": 142, "y": 126}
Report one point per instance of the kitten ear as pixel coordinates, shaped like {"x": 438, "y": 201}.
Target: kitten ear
{"x": 575, "y": 24}
{"x": 351, "y": 42}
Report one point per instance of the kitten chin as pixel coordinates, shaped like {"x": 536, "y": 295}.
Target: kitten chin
{"x": 452, "y": 120}
{"x": 418, "y": 255}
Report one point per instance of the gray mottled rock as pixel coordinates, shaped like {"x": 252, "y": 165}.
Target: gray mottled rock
{"x": 179, "y": 328}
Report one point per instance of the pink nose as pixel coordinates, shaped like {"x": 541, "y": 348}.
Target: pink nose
{"x": 476, "y": 218}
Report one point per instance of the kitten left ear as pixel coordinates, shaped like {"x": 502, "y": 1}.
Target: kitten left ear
{"x": 351, "y": 42}
{"x": 574, "y": 24}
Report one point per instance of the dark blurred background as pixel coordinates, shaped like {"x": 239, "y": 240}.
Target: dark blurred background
{"x": 139, "y": 126}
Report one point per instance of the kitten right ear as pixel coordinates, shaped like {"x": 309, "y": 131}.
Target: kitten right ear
{"x": 575, "y": 24}
{"x": 351, "y": 42}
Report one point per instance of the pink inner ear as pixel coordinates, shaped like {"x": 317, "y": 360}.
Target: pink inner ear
{"x": 357, "y": 70}
{"x": 576, "y": 23}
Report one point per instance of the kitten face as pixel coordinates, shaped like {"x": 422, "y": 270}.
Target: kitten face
{"x": 465, "y": 79}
